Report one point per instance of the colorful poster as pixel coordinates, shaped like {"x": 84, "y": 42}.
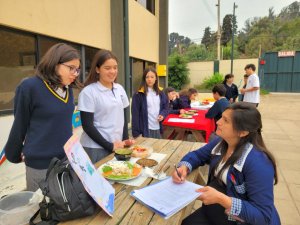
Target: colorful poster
{"x": 96, "y": 185}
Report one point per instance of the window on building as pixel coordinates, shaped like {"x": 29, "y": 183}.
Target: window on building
{"x": 20, "y": 53}
{"x": 89, "y": 55}
{"x": 148, "y": 4}
{"x": 17, "y": 61}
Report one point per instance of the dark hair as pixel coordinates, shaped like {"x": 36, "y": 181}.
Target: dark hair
{"x": 57, "y": 54}
{"x": 188, "y": 92}
{"x": 250, "y": 66}
{"x": 227, "y": 77}
{"x": 245, "y": 117}
{"x": 143, "y": 84}
{"x": 168, "y": 90}
{"x": 99, "y": 59}
{"x": 220, "y": 89}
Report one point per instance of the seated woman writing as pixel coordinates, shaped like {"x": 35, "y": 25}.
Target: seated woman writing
{"x": 242, "y": 173}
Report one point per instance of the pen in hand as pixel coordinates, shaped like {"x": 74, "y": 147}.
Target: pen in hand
{"x": 178, "y": 174}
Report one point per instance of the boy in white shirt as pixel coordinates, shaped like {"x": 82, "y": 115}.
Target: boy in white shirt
{"x": 251, "y": 92}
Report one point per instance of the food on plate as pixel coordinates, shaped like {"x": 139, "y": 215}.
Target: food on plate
{"x": 123, "y": 153}
{"x": 185, "y": 116}
{"x": 120, "y": 170}
{"x": 141, "y": 151}
{"x": 147, "y": 162}
{"x": 205, "y": 102}
{"x": 190, "y": 113}
{"x": 193, "y": 110}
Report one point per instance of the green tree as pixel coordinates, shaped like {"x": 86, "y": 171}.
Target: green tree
{"x": 292, "y": 11}
{"x": 206, "y": 39}
{"x": 228, "y": 27}
{"x": 178, "y": 42}
{"x": 271, "y": 13}
{"x": 178, "y": 71}
{"x": 198, "y": 53}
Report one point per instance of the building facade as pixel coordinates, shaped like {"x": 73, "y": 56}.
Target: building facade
{"x": 136, "y": 31}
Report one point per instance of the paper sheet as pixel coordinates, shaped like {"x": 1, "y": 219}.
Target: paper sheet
{"x": 178, "y": 120}
{"x": 172, "y": 197}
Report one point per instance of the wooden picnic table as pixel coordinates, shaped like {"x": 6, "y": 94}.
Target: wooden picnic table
{"x": 127, "y": 209}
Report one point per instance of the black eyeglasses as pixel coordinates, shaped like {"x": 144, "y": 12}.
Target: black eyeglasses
{"x": 72, "y": 69}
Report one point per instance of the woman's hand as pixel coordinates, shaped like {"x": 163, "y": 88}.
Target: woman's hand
{"x": 118, "y": 144}
{"x": 181, "y": 111}
{"x": 129, "y": 142}
{"x": 160, "y": 118}
{"x": 210, "y": 195}
{"x": 183, "y": 171}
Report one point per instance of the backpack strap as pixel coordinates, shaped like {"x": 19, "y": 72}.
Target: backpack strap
{"x": 45, "y": 214}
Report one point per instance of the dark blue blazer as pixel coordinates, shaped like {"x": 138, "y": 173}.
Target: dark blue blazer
{"x": 250, "y": 182}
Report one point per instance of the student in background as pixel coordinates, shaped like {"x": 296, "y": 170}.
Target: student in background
{"x": 186, "y": 97}
{"x": 215, "y": 112}
{"x": 102, "y": 105}
{"x": 149, "y": 107}
{"x": 174, "y": 102}
{"x": 231, "y": 89}
{"x": 242, "y": 173}
{"x": 43, "y": 110}
{"x": 251, "y": 91}
{"x": 241, "y": 96}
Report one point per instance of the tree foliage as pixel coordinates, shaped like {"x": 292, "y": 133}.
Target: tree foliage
{"x": 207, "y": 37}
{"x": 259, "y": 34}
{"x": 178, "y": 42}
{"x": 211, "y": 81}
{"x": 178, "y": 71}
{"x": 229, "y": 25}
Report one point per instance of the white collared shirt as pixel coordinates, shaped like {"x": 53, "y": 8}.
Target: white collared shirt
{"x": 153, "y": 105}
{"x": 252, "y": 96}
{"x": 108, "y": 108}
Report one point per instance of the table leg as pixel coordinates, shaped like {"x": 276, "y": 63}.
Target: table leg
{"x": 198, "y": 135}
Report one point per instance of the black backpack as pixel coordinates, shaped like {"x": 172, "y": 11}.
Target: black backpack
{"x": 68, "y": 198}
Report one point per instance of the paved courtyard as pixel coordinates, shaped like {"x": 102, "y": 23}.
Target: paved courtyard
{"x": 281, "y": 131}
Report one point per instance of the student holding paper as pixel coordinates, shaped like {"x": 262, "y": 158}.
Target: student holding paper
{"x": 241, "y": 176}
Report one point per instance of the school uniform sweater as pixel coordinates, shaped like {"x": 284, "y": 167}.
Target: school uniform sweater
{"x": 42, "y": 125}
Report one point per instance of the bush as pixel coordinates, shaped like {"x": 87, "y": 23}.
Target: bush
{"x": 264, "y": 91}
{"x": 209, "y": 82}
{"x": 178, "y": 71}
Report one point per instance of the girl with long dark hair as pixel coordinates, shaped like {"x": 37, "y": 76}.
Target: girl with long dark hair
{"x": 241, "y": 176}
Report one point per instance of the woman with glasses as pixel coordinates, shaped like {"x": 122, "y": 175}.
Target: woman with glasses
{"x": 43, "y": 110}
{"x": 102, "y": 105}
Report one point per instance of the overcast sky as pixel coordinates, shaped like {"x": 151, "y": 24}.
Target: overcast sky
{"x": 190, "y": 17}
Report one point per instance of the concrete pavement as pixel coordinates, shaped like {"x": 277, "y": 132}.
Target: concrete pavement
{"x": 281, "y": 132}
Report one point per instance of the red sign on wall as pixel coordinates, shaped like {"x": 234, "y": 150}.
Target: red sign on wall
{"x": 286, "y": 53}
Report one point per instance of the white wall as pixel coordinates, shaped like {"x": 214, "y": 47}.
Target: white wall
{"x": 200, "y": 70}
